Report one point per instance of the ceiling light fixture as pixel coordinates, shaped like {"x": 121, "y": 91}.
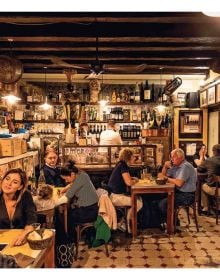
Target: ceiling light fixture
{"x": 45, "y": 106}
{"x": 11, "y": 99}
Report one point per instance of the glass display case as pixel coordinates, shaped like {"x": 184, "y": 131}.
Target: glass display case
{"x": 105, "y": 157}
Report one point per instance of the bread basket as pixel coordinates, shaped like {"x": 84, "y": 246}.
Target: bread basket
{"x": 161, "y": 181}
{"x": 44, "y": 237}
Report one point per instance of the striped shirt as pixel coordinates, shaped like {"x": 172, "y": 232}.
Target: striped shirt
{"x": 83, "y": 191}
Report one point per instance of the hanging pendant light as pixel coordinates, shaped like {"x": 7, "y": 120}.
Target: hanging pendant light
{"x": 160, "y": 106}
{"x": 12, "y": 92}
{"x": 45, "y": 106}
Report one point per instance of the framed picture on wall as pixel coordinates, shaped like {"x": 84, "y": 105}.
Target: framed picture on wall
{"x": 218, "y": 93}
{"x": 190, "y": 124}
{"x": 203, "y": 98}
{"x": 211, "y": 95}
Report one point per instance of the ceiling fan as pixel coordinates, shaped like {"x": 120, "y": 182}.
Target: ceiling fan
{"x": 97, "y": 67}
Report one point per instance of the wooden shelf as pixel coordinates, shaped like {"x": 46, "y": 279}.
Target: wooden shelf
{"x": 39, "y": 121}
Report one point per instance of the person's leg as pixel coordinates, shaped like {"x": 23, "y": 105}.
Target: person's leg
{"x": 206, "y": 190}
{"x": 125, "y": 200}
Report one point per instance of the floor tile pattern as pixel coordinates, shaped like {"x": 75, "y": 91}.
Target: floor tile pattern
{"x": 153, "y": 248}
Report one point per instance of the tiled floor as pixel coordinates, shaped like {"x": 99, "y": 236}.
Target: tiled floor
{"x": 154, "y": 249}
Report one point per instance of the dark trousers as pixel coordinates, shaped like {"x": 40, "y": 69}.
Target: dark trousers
{"x": 181, "y": 199}
{"x": 81, "y": 215}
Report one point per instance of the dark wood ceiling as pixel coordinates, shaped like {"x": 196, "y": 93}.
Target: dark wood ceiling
{"x": 134, "y": 42}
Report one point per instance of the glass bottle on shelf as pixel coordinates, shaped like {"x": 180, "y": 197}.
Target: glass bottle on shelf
{"x": 137, "y": 94}
{"x": 113, "y": 97}
{"x": 147, "y": 92}
{"x": 41, "y": 180}
{"x": 152, "y": 93}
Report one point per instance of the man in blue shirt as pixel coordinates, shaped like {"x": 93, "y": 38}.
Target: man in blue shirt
{"x": 183, "y": 175}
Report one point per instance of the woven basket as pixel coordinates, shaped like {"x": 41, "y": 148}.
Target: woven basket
{"x": 40, "y": 244}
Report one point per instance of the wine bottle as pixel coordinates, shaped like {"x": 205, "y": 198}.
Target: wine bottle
{"x": 137, "y": 94}
{"x": 141, "y": 92}
{"x": 152, "y": 93}
{"x": 41, "y": 180}
{"x": 147, "y": 92}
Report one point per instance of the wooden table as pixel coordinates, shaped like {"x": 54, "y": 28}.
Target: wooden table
{"x": 42, "y": 258}
{"x": 148, "y": 187}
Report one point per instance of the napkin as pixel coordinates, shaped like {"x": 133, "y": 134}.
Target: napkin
{"x": 23, "y": 260}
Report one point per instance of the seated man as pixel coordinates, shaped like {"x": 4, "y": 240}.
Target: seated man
{"x": 212, "y": 166}
{"x": 183, "y": 175}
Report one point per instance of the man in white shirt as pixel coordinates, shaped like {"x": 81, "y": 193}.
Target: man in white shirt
{"x": 110, "y": 136}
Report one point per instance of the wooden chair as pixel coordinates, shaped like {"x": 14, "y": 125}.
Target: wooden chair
{"x": 193, "y": 206}
{"x": 80, "y": 228}
{"x": 124, "y": 211}
{"x": 216, "y": 199}
{"x": 49, "y": 214}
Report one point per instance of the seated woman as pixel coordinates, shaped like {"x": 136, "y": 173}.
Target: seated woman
{"x": 17, "y": 209}
{"x": 51, "y": 170}
{"x": 120, "y": 181}
{"x": 200, "y": 156}
{"x": 80, "y": 193}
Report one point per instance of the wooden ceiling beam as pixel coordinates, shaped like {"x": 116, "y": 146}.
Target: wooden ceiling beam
{"x": 198, "y": 40}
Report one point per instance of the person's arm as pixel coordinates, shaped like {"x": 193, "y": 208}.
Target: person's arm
{"x": 167, "y": 165}
{"x": 21, "y": 238}
{"x": 65, "y": 189}
{"x": 198, "y": 159}
{"x": 30, "y": 217}
{"x": 177, "y": 182}
{"x": 129, "y": 181}
{"x": 62, "y": 200}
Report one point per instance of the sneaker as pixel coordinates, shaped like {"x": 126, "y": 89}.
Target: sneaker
{"x": 122, "y": 227}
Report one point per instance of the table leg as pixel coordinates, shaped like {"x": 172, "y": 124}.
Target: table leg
{"x": 50, "y": 256}
{"x": 134, "y": 214}
{"x": 170, "y": 213}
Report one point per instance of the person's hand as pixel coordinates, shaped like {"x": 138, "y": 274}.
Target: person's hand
{"x": 20, "y": 239}
{"x": 167, "y": 164}
{"x": 202, "y": 153}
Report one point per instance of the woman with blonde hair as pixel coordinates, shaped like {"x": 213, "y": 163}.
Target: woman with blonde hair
{"x": 120, "y": 182}
{"x": 17, "y": 209}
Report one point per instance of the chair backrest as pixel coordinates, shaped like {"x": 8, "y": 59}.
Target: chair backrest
{"x": 49, "y": 214}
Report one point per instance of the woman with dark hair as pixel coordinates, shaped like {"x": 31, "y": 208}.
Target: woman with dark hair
{"x": 200, "y": 155}
{"x": 80, "y": 193}
{"x": 17, "y": 209}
